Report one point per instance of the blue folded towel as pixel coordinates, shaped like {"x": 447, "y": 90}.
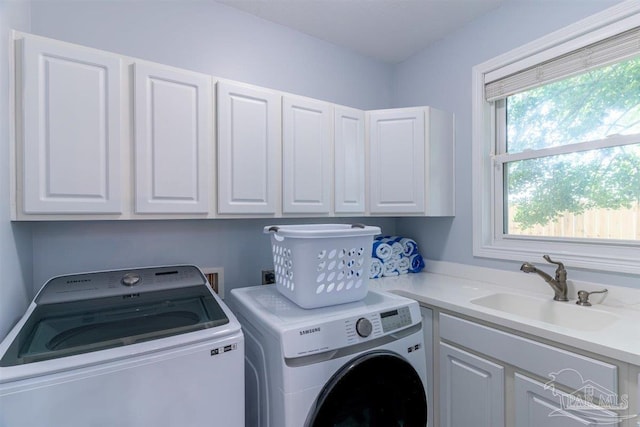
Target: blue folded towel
{"x": 410, "y": 246}
{"x": 417, "y": 263}
{"x": 394, "y": 255}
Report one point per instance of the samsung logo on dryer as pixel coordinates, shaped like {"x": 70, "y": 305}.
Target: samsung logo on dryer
{"x": 310, "y": 331}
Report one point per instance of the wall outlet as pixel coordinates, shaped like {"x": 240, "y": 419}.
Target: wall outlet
{"x": 268, "y": 277}
{"x": 215, "y": 277}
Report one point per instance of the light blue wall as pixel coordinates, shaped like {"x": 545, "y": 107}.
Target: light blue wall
{"x": 239, "y": 246}
{"x": 441, "y": 76}
{"x": 15, "y": 239}
{"x": 212, "y": 38}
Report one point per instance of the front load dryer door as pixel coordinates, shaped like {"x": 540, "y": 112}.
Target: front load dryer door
{"x": 377, "y": 389}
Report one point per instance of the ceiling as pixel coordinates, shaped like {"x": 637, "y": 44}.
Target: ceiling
{"x": 386, "y": 30}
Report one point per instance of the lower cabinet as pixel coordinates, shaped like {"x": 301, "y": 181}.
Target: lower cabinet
{"x": 539, "y": 404}
{"x": 471, "y": 389}
{"x": 487, "y": 377}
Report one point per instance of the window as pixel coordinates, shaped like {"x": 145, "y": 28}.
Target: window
{"x": 557, "y": 146}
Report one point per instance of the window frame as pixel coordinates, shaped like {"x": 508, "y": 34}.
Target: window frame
{"x": 489, "y": 241}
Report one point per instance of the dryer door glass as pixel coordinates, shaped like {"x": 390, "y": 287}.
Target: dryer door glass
{"x": 378, "y": 389}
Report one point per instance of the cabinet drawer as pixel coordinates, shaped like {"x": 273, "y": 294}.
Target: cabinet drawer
{"x": 569, "y": 369}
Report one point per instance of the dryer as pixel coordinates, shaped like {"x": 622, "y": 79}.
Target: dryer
{"x": 137, "y": 347}
{"x": 356, "y": 364}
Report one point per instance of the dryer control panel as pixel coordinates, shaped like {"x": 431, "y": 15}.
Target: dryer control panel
{"x": 332, "y": 335}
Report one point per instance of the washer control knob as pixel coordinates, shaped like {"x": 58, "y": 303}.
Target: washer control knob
{"x": 130, "y": 279}
{"x": 364, "y": 327}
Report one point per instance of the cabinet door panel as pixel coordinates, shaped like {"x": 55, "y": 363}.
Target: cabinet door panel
{"x": 397, "y": 161}
{"x": 70, "y": 127}
{"x": 249, "y": 135}
{"x": 540, "y": 405}
{"x": 173, "y": 115}
{"x": 306, "y": 156}
{"x": 349, "y": 160}
{"x": 471, "y": 390}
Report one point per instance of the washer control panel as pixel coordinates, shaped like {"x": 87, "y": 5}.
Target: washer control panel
{"x": 335, "y": 334}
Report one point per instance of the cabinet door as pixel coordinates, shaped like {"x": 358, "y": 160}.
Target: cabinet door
{"x": 173, "y": 116}
{"x": 427, "y": 329}
{"x": 70, "y": 127}
{"x": 471, "y": 390}
{"x": 306, "y": 146}
{"x": 538, "y": 404}
{"x": 349, "y": 160}
{"x": 249, "y": 135}
{"x": 397, "y": 161}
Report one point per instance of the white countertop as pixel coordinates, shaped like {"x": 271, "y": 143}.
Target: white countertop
{"x": 452, "y": 287}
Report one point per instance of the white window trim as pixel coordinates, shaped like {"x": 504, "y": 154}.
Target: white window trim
{"x": 488, "y": 240}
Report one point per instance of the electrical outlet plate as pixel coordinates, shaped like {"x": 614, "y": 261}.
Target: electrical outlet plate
{"x": 215, "y": 276}
{"x": 268, "y": 277}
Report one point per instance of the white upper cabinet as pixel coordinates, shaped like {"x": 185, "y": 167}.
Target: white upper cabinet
{"x": 68, "y": 104}
{"x": 349, "y": 160}
{"x": 397, "y": 170}
{"x": 105, "y": 136}
{"x": 411, "y": 162}
{"x": 173, "y": 114}
{"x": 306, "y": 155}
{"x": 249, "y": 141}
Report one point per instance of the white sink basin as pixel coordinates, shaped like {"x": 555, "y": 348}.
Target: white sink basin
{"x": 564, "y": 314}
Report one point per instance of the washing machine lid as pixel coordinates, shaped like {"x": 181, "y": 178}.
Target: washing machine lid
{"x": 100, "y": 311}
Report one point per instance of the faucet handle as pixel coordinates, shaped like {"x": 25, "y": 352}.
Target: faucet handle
{"x": 583, "y": 297}
{"x": 558, "y": 263}
{"x": 561, "y": 272}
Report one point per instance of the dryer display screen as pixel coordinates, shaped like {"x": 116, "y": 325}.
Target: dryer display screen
{"x": 395, "y": 319}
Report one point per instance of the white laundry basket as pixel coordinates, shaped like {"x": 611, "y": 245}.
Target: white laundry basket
{"x": 322, "y": 264}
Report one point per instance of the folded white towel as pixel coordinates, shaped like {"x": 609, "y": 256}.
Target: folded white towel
{"x": 390, "y": 267}
{"x": 382, "y": 251}
{"x": 376, "y": 268}
{"x": 396, "y": 249}
{"x": 403, "y": 266}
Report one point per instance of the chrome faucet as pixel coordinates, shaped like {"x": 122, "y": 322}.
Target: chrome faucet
{"x": 559, "y": 284}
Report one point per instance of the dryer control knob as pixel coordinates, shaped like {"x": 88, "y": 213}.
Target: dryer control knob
{"x": 130, "y": 279}
{"x": 364, "y": 327}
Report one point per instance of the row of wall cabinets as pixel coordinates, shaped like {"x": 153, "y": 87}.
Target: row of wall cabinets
{"x": 104, "y": 136}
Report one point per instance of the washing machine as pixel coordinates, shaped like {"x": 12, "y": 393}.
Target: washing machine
{"x": 356, "y": 364}
{"x": 139, "y": 347}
